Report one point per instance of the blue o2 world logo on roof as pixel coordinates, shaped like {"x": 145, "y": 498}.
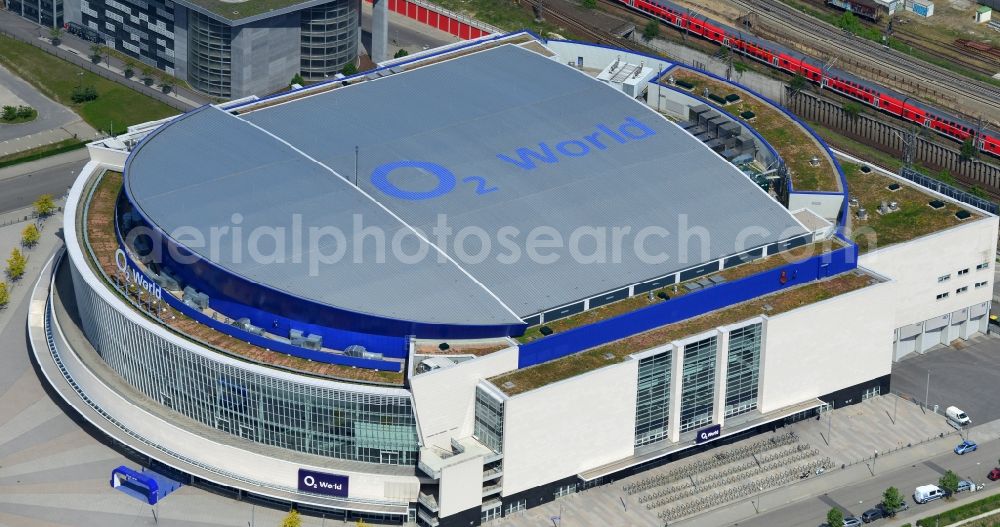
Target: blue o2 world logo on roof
{"x": 529, "y": 158}
{"x": 322, "y": 483}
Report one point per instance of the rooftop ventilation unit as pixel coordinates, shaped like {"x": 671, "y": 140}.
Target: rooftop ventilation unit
{"x": 245, "y": 325}
{"x": 195, "y": 299}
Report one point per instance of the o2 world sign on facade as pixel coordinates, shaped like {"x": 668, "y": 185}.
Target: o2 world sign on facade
{"x": 322, "y": 483}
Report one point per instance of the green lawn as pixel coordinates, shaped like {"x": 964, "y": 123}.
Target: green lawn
{"x": 57, "y": 78}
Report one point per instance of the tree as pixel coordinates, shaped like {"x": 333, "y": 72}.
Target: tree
{"x": 55, "y": 34}
{"x": 166, "y": 82}
{"x": 95, "y": 53}
{"x": 651, "y": 31}
{"x": 4, "y": 295}
{"x": 949, "y": 483}
{"x": 9, "y": 113}
{"x": 740, "y": 67}
{"x": 297, "y": 79}
{"x": 16, "y": 264}
{"x": 147, "y": 75}
{"x": 797, "y": 84}
{"x": 852, "y": 110}
{"x": 25, "y": 112}
{"x": 349, "y": 69}
{"x": 969, "y": 150}
{"x": 129, "y": 70}
{"x": 835, "y": 518}
{"x": 30, "y": 235}
{"x": 44, "y": 205}
{"x": 892, "y": 500}
{"x": 292, "y": 519}
{"x": 402, "y": 53}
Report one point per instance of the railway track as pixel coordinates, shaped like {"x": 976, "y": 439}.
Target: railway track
{"x": 782, "y": 16}
{"x": 551, "y": 11}
{"x": 913, "y": 40}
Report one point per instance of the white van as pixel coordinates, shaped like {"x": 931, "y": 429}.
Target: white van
{"x": 925, "y": 493}
{"x": 956, "y": 417}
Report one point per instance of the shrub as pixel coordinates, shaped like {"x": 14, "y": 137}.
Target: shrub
{"x": 297, "y": 79}
{"x": 349, "y": 69}
{"x": 9, "y": 113}
{"x": 25, "y": 112}
{"x": 400, "y": 54}
{"x": 545, "y": 330}
{"x": 651, "y": 31}
{"x": 83, "y": 94}
{"x": 4, "y": 295}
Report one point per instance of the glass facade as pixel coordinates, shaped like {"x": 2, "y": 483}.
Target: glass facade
{"x": 143, "y": 29}
{"x": 652, "y": 399}
{"x": 488, "y": 428}
{"x": 210, "y": 58}
{"x": 698, "y": 388}
{"x": 370, "y": 424}
{"x": 48, "y": 13}
{"x": 743, "y": 374}
{"x": 328, "y": 38}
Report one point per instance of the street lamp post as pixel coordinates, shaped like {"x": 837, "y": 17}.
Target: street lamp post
{"x": 873, "y": 462}
{"x": 927, "y": 391}
{"x": 895, "y": 401}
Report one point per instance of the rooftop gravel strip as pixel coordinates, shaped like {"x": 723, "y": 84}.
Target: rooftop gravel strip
{"x": 534, "y": 377}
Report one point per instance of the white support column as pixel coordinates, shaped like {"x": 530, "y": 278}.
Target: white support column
{"x": 762, "y": 371}
{"x": 380, "y": 31}
{"x": 721, "y": 372}
{"x": 676, "y": 380}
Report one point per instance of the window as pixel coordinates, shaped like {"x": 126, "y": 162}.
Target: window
{"x": 698, "y": 384}
{"x": 518, "y": 505}
{"x": 743, "y": 373}
{"x": 961, "y": 290}
{"x": 984, "y": 265}
{"x": 944, "y": 278}
{"x": 981, "y": 284}
{"x": 652, "y": 398}
{"x": 942, "y": 296}
{"x": 963, "y": 271}
{"x": 491, "y": 513}
{"x": 565, "y": 490}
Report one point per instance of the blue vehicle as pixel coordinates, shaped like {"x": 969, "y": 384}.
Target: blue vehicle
{"x": 966, "y": 446}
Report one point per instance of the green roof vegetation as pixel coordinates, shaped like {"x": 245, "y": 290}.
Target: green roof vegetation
{"x": 239, "y": 10}
{"x": 101, "y": 236}
{"x": 528, "y": 379}
{"x": 642, "y": 300}
{"x": 796, "y": 146}
{"x": 914, "y": 218}
{"x": 115, "y": 104}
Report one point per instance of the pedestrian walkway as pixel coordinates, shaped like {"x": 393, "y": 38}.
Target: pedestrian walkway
{"x": 882, "y": 425}
{"x": 76, "y": 129}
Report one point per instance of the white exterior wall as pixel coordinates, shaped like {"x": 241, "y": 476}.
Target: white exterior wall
{"x": 445, "y": 400}
{"x": 596, "y": 57}
{"x": 826, "y": 206}
{"x": 565, "y": 428}
{"x": 826, "y": 346}
{"x": 461, "y": 487}
{"x": 915, "y": 266}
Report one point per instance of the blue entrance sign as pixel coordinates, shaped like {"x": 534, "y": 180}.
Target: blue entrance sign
{"x": 135, "y": 484}
{"x": 322, "y": 483}
{"x": 708, "y": 434}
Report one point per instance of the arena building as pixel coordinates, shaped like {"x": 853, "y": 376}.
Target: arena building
{"x": 486, "y": 276}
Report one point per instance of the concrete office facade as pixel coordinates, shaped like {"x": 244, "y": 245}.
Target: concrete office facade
{"x": 456, "y": 446}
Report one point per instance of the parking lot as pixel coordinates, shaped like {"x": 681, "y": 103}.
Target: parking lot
{"x": 964, "y": 375}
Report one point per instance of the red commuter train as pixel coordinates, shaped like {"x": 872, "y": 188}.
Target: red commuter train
{"x": 842, "y": 83}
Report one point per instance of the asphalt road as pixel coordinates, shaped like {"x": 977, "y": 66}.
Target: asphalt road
{"x": 50, "y": 113}
{"x": 21, "y": 190}
{"x": 964, "y": 377}
{"x": 863, "y": 496}
{"x": 403, "y": 33}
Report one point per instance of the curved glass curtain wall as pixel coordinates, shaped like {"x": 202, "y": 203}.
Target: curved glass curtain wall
{"x": 329, "y": 38}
